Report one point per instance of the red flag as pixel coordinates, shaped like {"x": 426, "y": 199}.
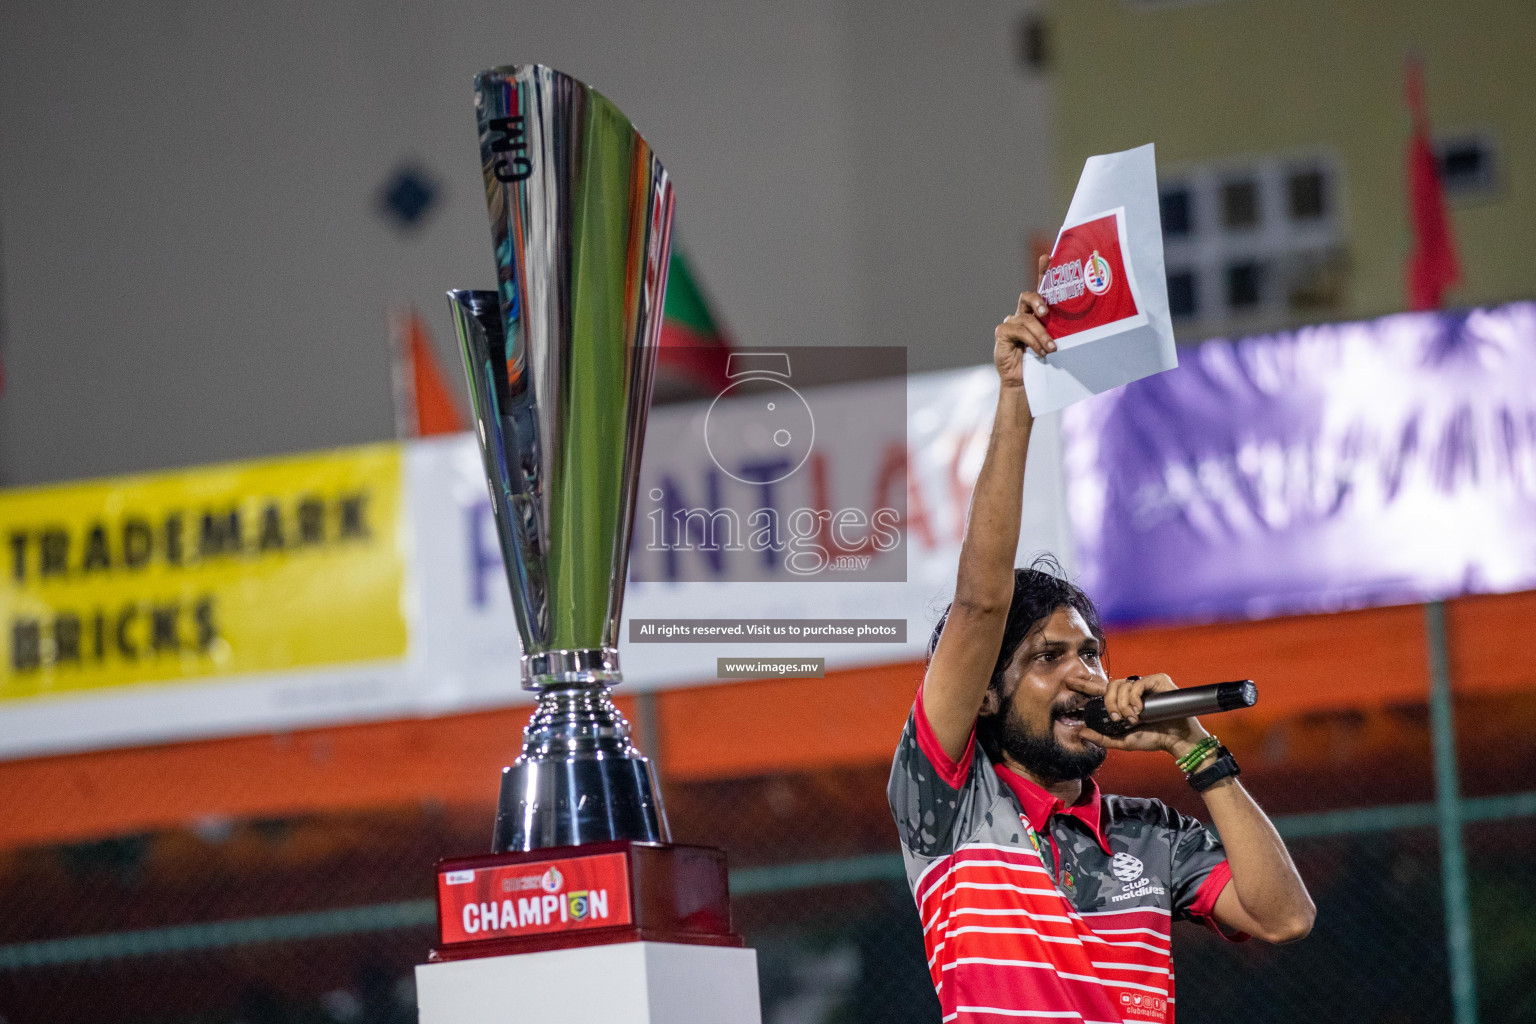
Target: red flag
{"x": 424, "y": 406}
{"x": 1432, "y": 265}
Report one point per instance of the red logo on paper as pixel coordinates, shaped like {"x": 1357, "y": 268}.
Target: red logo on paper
{"x": 1085, "y": 283}
{"x": 534, "y": 898}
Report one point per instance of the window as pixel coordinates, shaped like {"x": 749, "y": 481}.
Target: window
{"x": 1254, "y": 244}
{"x": 1182, "y": 299}
{"x": 1175, "y": 205}
{"x": 1307, "y": 194}
{"x": 1466, "y": 165}
{"x": 1243, "y": 284}
{"x": 1240, "y": 204}
{"x": 1034, "y": 44}
{"x": 1314, "y": 280}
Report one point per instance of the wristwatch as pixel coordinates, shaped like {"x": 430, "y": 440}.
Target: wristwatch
{"x": 1225, "y": 765}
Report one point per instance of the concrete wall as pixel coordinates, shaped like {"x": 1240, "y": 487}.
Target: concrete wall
{"x": 194, "y": 268}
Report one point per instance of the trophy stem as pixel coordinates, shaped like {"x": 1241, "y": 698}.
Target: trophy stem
{"x": 579, "y": 778}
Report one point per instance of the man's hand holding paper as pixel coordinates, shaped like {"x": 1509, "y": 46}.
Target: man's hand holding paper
{"x": 1021, "y": 330}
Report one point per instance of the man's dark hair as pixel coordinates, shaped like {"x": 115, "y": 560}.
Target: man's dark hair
{"x": 1037, "y": 592}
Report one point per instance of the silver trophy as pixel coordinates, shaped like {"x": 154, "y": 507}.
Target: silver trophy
{"x": 560, "y": 362}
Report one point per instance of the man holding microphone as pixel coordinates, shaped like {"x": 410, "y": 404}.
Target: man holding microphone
{"x": 1040, "y": 897}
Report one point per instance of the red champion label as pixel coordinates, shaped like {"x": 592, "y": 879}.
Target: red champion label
{"x": 535, "y": 898}
{"x": 1085, "y": 283}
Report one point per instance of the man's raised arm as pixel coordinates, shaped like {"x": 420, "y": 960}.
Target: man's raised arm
{"x": 962, "y": 662}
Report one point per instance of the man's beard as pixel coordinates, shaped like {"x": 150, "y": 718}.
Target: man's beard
{"x": 1041, "y": 753}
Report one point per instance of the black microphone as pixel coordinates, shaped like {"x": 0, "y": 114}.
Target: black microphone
{"x": 1161, "y": 707}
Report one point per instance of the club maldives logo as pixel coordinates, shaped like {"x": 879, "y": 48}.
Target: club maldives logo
{"x": 1128, "y": 870}
{"x": 1125, "y": 867}
{"x": 1096, "y": 274}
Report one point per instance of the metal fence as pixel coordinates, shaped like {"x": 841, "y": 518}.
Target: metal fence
{"x": 1423, "y": 903}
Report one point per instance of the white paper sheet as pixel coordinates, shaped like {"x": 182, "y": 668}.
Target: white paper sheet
{"x": 1105, "y": 357}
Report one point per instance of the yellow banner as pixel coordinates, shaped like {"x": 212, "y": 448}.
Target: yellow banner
{"x": 250, "y": 567}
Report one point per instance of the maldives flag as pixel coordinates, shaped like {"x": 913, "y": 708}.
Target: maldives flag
{"x": 693, "y": 352}
{"x": 1432, "y": 265}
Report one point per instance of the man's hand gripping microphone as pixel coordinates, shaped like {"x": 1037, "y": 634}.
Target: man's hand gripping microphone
{"x": 1171, "y": 704}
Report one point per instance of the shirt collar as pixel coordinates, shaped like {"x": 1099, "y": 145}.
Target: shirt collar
{"x": 1039, "y": 805}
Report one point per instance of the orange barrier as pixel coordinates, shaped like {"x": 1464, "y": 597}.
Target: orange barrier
{"x": 1490, "y": 642}
{"x": 1366, "y": 659}
{"x": 1351, "y": 659}
{"x": 785, "y": 725}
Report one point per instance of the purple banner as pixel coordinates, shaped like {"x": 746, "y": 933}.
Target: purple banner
{"x": 1385, "y": 462}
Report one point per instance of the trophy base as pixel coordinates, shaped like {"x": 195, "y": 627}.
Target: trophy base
{"x": 633, "y": 983}
{"x": 594, "y": 894}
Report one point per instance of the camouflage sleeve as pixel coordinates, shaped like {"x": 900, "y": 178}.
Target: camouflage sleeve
{"x": 935, "y": 800}
{"x": 1200, "y": 873}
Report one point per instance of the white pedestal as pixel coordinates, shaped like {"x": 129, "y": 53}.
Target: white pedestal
{"x": 621, "y": 983}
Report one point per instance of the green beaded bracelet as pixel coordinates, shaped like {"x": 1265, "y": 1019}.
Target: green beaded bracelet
{"x": 1188, "y": 762}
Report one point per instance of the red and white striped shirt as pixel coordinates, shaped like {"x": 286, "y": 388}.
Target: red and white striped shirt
{"x": 1035, "y": 911}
